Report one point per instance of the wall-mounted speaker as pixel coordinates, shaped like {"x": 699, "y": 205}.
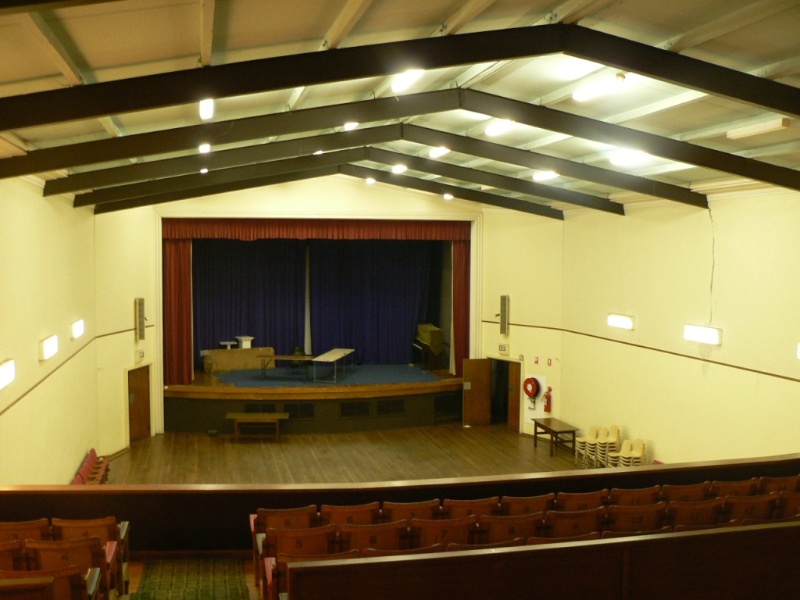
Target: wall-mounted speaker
{"x": 504, "y": 315}
{"x": 139, "y": 317}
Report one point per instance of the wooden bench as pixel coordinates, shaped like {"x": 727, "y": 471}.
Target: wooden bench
{"x": 274, "y": 419}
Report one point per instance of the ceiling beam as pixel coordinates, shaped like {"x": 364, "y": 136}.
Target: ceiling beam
{"x": 616, "y": 135}
{"x": 529, "y": 188}
{"x": 425, "y": 185}
{"x": 228, "y": 132}
{"x": 567, "y": 168}
{"x": 284, "y": 72}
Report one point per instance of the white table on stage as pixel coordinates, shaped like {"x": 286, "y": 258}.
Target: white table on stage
{"x": 332, "y": 356}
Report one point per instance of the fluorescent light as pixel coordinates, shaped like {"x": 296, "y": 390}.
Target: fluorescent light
{"x": 402, "y": 81}
{"x": 620, "y": 321}
{"x": 206, "y": 109}
{"x": 8, "y": 372}
{"x": 318, "y": 152}
{"x": 350, "y": 125}
{"x": 48, "y": 347}
{"x": 703, "y": 335}
{"x": 798, "y": 351}
{"x": 370, "y": 180}
{"x": 438, "y": 152}
{"x": 544, "y": 175}
{"x": 499, "y": 127}
{"x": 625, "y": 157}
{"x": 447, "y": 196}
{"x": 204, "y": 170}
{"x": 78, "y": 329}
{"x": 397, "y": 169}
{"x": 759, "y": 128}
{"x": 204, "y": 148}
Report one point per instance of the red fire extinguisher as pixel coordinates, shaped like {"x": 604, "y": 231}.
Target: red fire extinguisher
{"x": 548, "y": 399}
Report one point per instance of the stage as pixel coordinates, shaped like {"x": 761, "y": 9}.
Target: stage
{"x": 365, "y": 397}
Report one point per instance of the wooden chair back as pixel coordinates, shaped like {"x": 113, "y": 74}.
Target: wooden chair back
{"x": 635, "y": 517}
{"x": 68, "y": 582}
{"x": 28, "y": 588}
{"x": 521, "y": 505}
{"x": 313, "y": 540}
{"x": 37, "y": 529}
{"x": 453, "y": 509}
{"x": 634, "y": 496}
{"x": 301, "y": 517}
{"x": 426, "y": 532}
{"x": 581, "y": 500}
{"x": 357, "y": 514}
{"x": 695, "y": 513}
{"x": 496, "y": 528}
{"x": 12, "y": 556}
{"x": 789, "y": 503}
{"x": 759, "y": 507}
{"x": 381, "y": 536}
{"x": 789, "y": 483}
{"x": 744, "y": 487}
{"x": 691, "y": 492}
{"x": 398, "y": 511}
{"x": 86, "y": 553}
{"x": 571, "y": 523}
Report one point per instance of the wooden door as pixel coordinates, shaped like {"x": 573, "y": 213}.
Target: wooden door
{"x": 139, "y": 403}
{"x": 477, "y": 399}
{"x": 514, "y": 376}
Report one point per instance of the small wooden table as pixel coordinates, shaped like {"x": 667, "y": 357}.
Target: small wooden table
{"x": 260, "y": 418}
{"x": 555, "y": 429}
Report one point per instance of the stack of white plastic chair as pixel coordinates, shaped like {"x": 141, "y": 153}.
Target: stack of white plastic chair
{"x": 580, "y": 444}
{"x": 608, "y": 444}
{"x": 634, "y": 457}
{"x": 593, "y": 445}
{"x": 614, "y": 457}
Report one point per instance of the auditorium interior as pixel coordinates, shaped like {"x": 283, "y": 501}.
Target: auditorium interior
{"x": 215, "y": 215}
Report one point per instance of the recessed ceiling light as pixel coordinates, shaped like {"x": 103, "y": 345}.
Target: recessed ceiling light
{"x": 620, "y": 321}
{"x": 397, "y": 169}
{"x": 544, "y": 175}
{"x": 48, "y": 347}
{"x": 204, "y": 148}
{"x": 350, "y": 125}
{"x": 318, "y": 152}
{"x": 438, "y": 151}
{"x": 402, "y": 81}
{"x": 599, "y": 88}
{"x": 8, "y": 372}
{"x": 702, "y": 334}
{"x": 499, "y": 127}
{"x": 206, "y": 109}
{"x": 447, "y": 196}
{"x": 78, "y": 328}
{"x": 204, "y": 170}
{"x": 369, "y": 180}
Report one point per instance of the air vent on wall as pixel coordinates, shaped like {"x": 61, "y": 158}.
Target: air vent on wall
{"x": 504, "y": 315}
{"x": 139, "y": 317}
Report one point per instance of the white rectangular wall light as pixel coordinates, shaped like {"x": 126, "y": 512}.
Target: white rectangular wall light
{"x": 78, "y": 329}
{"x": 798, "y": 351}
{"x": 703, "y": 335}
{"x": 48, "y": 347}
{"x": 620, "y": 321}
{"x": 8, "y": 372}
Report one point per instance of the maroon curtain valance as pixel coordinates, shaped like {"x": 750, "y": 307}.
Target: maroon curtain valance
{"x": 324, "y": 229}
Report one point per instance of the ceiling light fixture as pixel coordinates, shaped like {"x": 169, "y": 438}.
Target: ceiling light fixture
{"x": 702, "y": 334}
{"x": 544, "y": 175}
{"x": 397, "y": 169}
{"x": 599, "y": 88}
{"x": 204, "y": 148}
{"x": 402, "y": 81}
{"x": 758, "y": 128}
{"x": 206, "y": 109}
{"x": 620, "y": 321}
{"x": 499, "y": 127}
{"x": 8, "y": 372}
{"x": 48, "y": 347}
{"x": 447, "y": 196}
{"x": 204, "y": 170}
{"x": 318, "y": 152}
{"x": 350, "y": 125}
{"x": 370, "y": 180}
{"x": 438, "y": 152}
{"x": 625, "y": 157}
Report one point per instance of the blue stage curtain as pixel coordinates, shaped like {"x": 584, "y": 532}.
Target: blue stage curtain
{"x": 248, "y": 288}
{"x": 369, "y": 295}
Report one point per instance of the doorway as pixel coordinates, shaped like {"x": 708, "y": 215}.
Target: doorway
{"x": 139, "y": 403}
{"x": 491, "y": 392}
{"x": 505, "y": 392}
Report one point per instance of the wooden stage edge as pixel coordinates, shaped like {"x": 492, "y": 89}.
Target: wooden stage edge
{"x": 208, "y": 387}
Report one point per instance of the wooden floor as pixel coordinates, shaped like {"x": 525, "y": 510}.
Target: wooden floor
{"x": 396, "y": 455}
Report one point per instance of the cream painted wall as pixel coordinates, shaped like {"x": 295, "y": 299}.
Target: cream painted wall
{"x": 733, "y": 267}
{"x": 522, "y": 258}
{"x": 47, "y": 274}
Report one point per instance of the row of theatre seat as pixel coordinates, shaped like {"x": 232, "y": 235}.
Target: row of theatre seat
{"x": 282, "y": 536}
{"x": 82, "y": 558}
{"x": 93, "y": 470}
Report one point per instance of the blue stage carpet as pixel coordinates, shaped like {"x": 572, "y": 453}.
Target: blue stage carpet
{"x": 353, "y": 375}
